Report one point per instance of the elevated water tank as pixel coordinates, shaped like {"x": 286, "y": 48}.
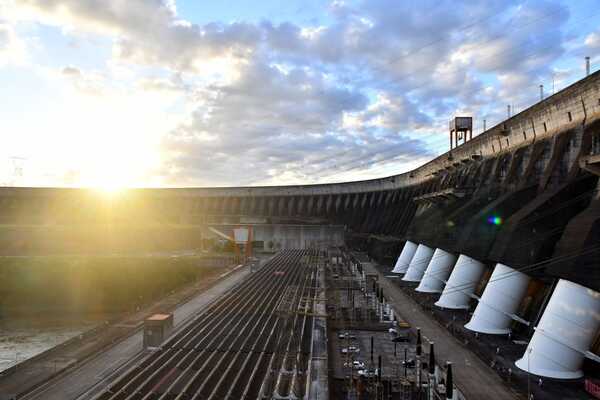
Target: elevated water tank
{"x": 405, "y": 256}
{"x": 566, "y": 331}
{"x": 461, "y": 284}
{"x": 437, "y": 272}
{"x": 500, "y": 300}
{"x": 418, "y": 264}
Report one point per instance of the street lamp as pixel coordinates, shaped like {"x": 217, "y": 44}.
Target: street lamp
{"x": 529, "y": 374}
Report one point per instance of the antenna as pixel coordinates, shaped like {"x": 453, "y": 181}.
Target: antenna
{"x": 17, "y": 165}
{"x": 587, "y": 66}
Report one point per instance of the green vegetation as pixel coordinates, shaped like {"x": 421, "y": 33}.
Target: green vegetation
{"x": 85, "y": 284}
{"x": 97, "y": 238}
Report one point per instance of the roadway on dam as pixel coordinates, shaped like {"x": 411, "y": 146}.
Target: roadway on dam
{"x": 472, "y": 376}
{"x": 93, "y": 376}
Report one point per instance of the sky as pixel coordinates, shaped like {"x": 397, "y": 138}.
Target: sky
{"x": 165, "y": 93}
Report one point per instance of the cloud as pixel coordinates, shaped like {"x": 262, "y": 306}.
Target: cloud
{"x": 12, "y": 48}
{"x": 148, "y": 31}
{"x": 272, "y": 121}
{"x": 593, "y": 40}
{"x": 300, "y": 102}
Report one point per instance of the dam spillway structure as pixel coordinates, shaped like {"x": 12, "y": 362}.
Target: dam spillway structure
{"x": 522, "y": 192}
{"x": 418, "y": 264}
{"x": 564, "y": 334}
{"x": 461, "y": 285}
{"x": 437, "y": 272}
{"x": 407, "y": 254}
{"x": 499, "y": 302}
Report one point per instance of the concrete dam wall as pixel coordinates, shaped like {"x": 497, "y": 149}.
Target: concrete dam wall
{"x": 522, "y": 192}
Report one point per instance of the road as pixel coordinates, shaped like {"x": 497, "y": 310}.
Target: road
{"x": 94, "y": 375}
{"x": 472, "y": 376}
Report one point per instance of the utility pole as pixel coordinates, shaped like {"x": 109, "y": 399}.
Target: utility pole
{"x": 541, "y": 92}
{"x": 587, "y": 66}
{"x": 449, "y": 383}
{"x": 379, "y": 385}
{"x": 528, "y": 374}
{"x": 405, "y": 360}
{"x": 418, "y": 360}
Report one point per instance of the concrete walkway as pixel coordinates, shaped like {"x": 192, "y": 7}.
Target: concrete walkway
{"x": 473, "y": 377}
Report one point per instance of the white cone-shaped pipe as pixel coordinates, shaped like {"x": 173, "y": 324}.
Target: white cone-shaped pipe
{"x": 461, "y": 284}
{"x": 501, "y": 298}
{"x": 566, "y": 330}
{"x": 437, "y": 272}
{"x": 418, "y": 264}
{"x": 405, "y": 257}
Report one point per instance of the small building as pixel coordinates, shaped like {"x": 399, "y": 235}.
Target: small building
{"x": 157, "y": 328}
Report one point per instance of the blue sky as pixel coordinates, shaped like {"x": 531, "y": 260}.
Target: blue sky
{"x": 118, "y": 93}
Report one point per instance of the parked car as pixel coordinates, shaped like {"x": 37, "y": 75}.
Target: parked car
{"x": 350, "y": 349}
{"x": 368, "y": 373}
{"x": 356, "y": 364}
{"x": 346, "y": 335}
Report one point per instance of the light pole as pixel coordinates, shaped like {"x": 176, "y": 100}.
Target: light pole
{"x": 529, "y": 374}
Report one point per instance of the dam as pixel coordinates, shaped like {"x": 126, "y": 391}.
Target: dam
{"x": 496, "y": 238}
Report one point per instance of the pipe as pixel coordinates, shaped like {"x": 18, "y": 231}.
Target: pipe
{"x": 408, "y": 251}
{"x": 418, "y": 264}
{"x": 462, "y": 282}
{"x": 565, "y": 333}
{"x": 437, "y": 272}
{"x": 499, "y": 302}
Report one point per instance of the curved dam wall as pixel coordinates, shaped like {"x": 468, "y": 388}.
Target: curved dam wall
{"x": 522, "y": 192}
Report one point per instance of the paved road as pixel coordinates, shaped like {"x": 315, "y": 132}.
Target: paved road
{"x": 89, "y": 379}
{"x": 473, "y": 377}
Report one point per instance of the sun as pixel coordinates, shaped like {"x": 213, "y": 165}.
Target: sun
{"x": 110, "y": 188}
{"x": 115, "y": 175}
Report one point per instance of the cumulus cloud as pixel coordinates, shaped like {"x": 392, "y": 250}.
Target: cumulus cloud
{"x": 268, "y": 120}
{"x": 12, "y": 48}
{"x": 302, "y": 102}
{"x": 148, "y": 31}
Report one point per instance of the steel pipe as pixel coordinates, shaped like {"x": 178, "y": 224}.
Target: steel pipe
{"x": 437, "y": 272}
{"x": 461, "y": 284}
{"x": 500, "y": 300}
{"x": 408, "y": 251}
{"x": 418, "y": 264}
{"x": 565, "y": 333}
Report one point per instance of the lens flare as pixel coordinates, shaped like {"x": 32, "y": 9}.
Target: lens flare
{"x": 495, "y": 220}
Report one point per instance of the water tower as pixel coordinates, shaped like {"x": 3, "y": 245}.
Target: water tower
{"x": 461, "y": 130}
